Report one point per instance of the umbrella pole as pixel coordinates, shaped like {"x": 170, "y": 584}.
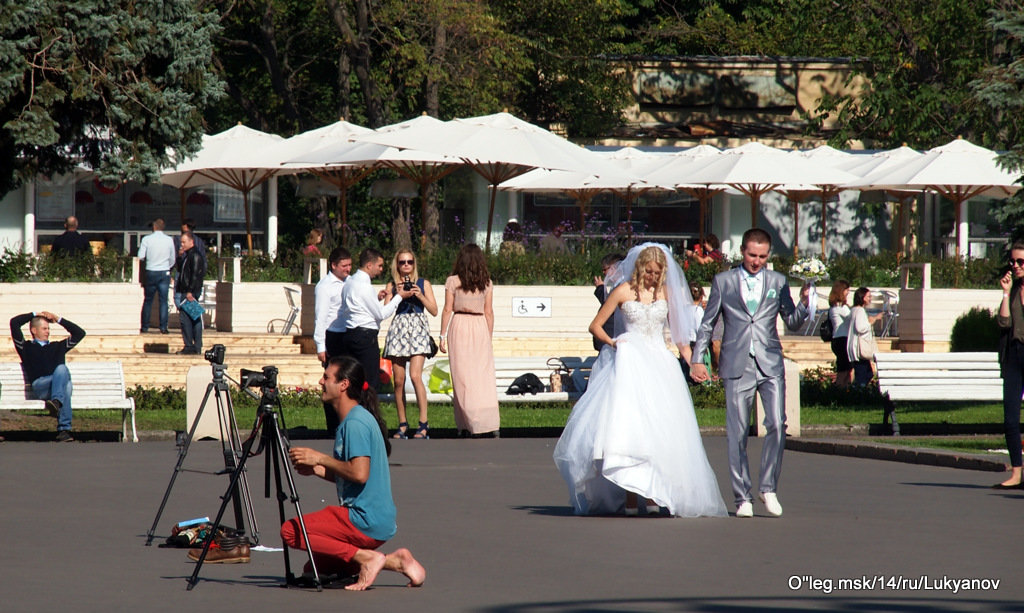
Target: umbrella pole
{"x": 490, "y": 214}
{"x": 181, "y": 196}
{"x": 703, "y": 200}
{"x": 796, "y": 229}
{"x": 423, "y": 215}
{"x": 824, "y": 211}
{"x": 343, "y": 197}
{"x": 248, "y": 221}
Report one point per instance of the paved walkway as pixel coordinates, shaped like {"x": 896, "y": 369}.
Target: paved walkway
{"x": 489, "y": 520}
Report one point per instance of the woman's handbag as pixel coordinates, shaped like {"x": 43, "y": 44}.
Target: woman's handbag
{"x": 433, "y": 348}
{"x": 866, "y": 346}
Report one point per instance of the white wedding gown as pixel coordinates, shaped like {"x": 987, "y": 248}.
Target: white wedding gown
{"x": 634, "y": 429}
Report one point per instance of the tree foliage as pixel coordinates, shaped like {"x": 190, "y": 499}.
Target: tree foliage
{"x": 1000, "y": 89}
{"x": 115, "y": 84}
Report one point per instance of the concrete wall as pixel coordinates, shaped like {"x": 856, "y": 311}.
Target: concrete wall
{"x": 99, "y": 308}
{"x": 926, "y": 316}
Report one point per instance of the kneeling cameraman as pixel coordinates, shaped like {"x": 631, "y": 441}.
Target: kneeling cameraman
{"x": 344, "y": 538}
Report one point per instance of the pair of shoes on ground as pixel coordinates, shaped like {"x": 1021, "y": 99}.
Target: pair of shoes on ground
{"x": 224, "y": 550}
{"x": 771, "y": 504}
{"x": 188, "y": 352}
{"x": 1014, "y": 486}
{"x": 64, "y": 436}
{"x": 146, "y": 331}
{"x": 403, "y": 431}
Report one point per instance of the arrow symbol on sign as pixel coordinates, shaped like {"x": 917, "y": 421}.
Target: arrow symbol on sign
{"x": 540, "y": 307}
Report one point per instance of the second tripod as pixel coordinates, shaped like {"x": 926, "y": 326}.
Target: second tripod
{"x": 230, "y": 446}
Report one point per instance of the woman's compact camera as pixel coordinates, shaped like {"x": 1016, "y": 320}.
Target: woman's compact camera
{"x": 407, "y": 285}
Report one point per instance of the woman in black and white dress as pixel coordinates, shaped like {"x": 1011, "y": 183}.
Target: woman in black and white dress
{"x": 408, "y": 340}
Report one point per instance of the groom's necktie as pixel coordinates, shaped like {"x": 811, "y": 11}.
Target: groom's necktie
{"x": 752, "y": 298}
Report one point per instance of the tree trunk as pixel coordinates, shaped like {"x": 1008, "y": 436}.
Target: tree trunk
{"x": 401, "y": 224}
{"x": 344, "y": 87}
{"x": 431, "y": 220}
{"x": 357, "y": 42}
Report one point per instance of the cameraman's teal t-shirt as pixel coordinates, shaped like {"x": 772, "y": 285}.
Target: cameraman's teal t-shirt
{"x": 370, "y": 505}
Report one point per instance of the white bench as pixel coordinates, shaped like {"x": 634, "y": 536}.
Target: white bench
{"x": 97, "y": 385}
{"x": 505, "y": 372}
{"x": 909, "y": 377}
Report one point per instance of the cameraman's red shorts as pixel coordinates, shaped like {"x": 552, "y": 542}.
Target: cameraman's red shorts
{"x": 332, "y": 536}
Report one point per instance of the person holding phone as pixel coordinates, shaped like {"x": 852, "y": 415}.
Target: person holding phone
{"x": 1011, "y": 359}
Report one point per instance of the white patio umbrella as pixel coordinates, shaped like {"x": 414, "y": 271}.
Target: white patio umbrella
{"x": 498, "y": 147}
{"x": 671, "y": 170}
{"x": 583, "y": 187}
{"x": 309, "y": 143}
{"x": 241, "y": 158}
{"x": 827, "y": 156}
{"x": 958, "y": 170}
{"x": 420, "y": 167}
{"x": 878, "y": 164}
{"x": 754, "y": 169}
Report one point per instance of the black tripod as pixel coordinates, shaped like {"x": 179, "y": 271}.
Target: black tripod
{"x": 269, "y": 433}
{"x": 231, "y": 447}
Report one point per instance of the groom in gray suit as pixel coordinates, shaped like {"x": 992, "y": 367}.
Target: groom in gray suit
{"x": 750, "y": 299}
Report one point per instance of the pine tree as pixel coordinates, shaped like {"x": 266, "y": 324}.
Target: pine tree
{"x": 114, "y": 84}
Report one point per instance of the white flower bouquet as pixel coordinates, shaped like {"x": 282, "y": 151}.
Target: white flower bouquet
{"x": 809, "y": 269}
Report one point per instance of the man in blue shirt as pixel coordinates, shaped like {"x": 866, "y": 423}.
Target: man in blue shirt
{"x": 344, "y": 538}
{"x": 157, "y": 252}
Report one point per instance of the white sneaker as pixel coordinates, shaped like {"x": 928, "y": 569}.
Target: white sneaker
{"x": 771, "y": 503}
{"x": 746, "y": 509}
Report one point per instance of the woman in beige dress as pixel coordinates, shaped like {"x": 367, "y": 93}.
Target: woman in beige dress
{"x": 467, "y": 323}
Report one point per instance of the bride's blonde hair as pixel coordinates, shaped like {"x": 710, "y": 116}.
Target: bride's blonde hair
{"x": 648, "y": 255}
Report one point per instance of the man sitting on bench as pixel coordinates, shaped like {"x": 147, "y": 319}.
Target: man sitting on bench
{"x": 42, "y": 362}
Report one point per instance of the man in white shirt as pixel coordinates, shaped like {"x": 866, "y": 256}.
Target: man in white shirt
{"x": 329, "y": 329}
{"x": 158, "y": 254}
{"x": 361, "y": 314}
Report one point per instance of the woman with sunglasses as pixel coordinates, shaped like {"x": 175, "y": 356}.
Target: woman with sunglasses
{"x": 408, "y": 341}
{"x": 1011, "y": 359}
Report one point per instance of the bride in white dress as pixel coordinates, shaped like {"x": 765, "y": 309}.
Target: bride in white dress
{"x": 634, "y": 433}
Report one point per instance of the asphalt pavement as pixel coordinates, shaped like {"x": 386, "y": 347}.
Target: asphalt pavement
{"x": 490, "y": 521}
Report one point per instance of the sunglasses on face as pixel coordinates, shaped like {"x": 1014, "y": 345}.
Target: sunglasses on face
{"x": 411, "y": 262}
{"x": 1016, "y": 261}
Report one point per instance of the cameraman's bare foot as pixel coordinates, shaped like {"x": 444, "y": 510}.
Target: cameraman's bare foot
{"x": 401, "y": 561}
{"x": 370, "y": 565}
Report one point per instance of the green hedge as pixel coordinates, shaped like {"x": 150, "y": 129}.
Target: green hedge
{"x": 530, "y": 268}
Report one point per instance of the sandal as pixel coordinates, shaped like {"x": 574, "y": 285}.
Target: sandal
{"x": 403, "y": 430}
{"x": 421, "y": 432}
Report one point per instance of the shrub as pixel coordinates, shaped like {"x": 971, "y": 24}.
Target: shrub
{"x": 14, "y": 266}
{"x": 975, "y": 330}
{"x": 710, "y": 395}
{"x": 817, "y": 387}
